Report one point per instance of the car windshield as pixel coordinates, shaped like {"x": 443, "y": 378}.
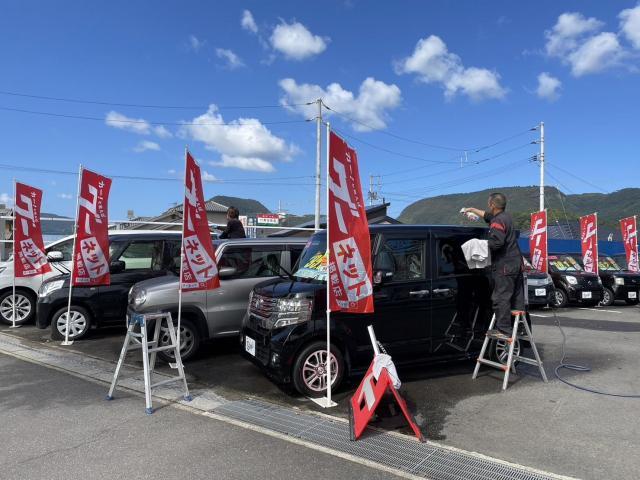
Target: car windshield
{"x": 608, "y": 264}
{"x": 564, "y": 263}
{"x": 312, "y": 263}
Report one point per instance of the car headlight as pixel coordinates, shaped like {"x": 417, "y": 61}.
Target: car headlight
{"x": 619, "y": 280}
{"x": 549, "y": 279}
{"x": 47, "y": 288}
{"x": 571, "y": 280}
{"x": 137, "y": 297}
{"x": 292, "y": 310}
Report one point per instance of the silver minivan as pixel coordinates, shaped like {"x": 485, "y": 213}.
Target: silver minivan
{"x": 211, "y": 314}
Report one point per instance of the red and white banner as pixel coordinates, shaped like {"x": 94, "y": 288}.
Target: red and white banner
{"x": 589, "y": 239}
{"x": 199, "y": 269}
{"x": 629, "y": 229}
{"x": 538, "y": 241}
{"x": 28, "y": 246}
{"x": 349, "y": 279}
{"x": 91, "y": 253}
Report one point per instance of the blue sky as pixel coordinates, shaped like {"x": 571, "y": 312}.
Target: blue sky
{"x": 453, "y": 74}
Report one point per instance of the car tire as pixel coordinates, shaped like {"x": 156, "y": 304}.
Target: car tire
{"x": 190, "y": 340}
{"x": 632, "y": 301}
{"x": 608, "y": 297}
{"x": 79, "y": 326}
{"x": 499, "y": 351}
{"x": 560, "y": 298}
{"x": 25, "y": 307}
{"x": 308, "y": 374}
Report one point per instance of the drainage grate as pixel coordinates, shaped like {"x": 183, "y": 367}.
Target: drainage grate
{"x": 433, "y": 462}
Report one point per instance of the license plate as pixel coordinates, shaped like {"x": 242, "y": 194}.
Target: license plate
{"x": 541, "y": 292}
{"x": 250, "y": 345}
{"x": 586, "y": 294}
{"x": 633, "y": 294}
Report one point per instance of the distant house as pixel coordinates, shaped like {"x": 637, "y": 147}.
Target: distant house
{"x": 216, "y": 214}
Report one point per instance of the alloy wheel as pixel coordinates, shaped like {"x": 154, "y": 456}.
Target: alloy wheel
{"x": 502, "y": 351}
{"x": 23, "y": 308}
{"x": 78, "y": 324}
{"x": 186, "y": 340}
{"x": 314, "y": 370}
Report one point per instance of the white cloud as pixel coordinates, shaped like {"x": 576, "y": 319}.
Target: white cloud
{"x": 244, "y": 138}
{"x": 596, "y": 54}
{"x": 145, "y": 145}
{"x": 207, "y": 177}
{"x": 630, "y": 25}
{"x": 244, "y": 163}
{"x": 195, "y": 44}
{"x": 370, "y": 106}
{"x": 568, "y": 30}
{"x": 248, "y": 22}
{"x": 135, "y": 125}
{"x": 65, "y": 196}
{"x": 432, "y": 62}
{"x": 548, "y": 86}
{"x": 233, "y": 60}
{"x": 172, "y": 171}
{"x": 6, "y": 199}
{"x": 296, "y": 42}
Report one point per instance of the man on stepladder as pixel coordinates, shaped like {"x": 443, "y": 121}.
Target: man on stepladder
{"x": 506, "y": 263}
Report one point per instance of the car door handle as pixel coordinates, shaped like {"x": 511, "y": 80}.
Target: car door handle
{"x": 441, "y": 290}
{"x": 419, "y": 293}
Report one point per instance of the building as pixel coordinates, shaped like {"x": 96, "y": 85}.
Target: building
{"x": 216, "y": 214}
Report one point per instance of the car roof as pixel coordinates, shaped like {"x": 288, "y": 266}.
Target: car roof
{"x": 395, "y": 228}
{"x": 262, "y": 241}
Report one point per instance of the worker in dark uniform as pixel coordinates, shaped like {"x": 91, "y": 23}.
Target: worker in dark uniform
{"x": 234, "y": 228}
{"x": 506, "y": 263}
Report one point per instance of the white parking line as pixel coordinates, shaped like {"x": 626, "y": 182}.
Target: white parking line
{"x": 538, "y": 315}
{"x": 599, "y": 310}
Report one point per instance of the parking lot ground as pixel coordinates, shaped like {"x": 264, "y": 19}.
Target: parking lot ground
{"x": 552, "y": 427}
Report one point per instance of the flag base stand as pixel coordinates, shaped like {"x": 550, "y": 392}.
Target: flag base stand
{"x": 66, "y": 343}
{"x": 324, "y": 402}
{"x": 15, "y": 326}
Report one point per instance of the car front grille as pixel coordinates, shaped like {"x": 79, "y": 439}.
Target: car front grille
{"x": 262, "y": 307}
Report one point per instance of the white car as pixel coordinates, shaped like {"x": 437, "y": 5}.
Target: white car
{"x": 59, "y": 253}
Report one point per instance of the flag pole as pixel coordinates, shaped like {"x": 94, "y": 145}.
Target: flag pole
{"x": 184, "y": 211}
{"x": 329, "y": 402}
{"x": 66, "y": 341}
{"x": 13, "y": 233}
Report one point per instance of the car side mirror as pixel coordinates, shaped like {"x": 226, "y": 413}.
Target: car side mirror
{"x": 55, "y": 256}
{"x": 226, "y": 272}
{"x": 382, "y": 276}
{"x": 117, "y": 266}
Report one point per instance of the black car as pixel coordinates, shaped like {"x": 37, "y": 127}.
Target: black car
{"x": 540, "y": 289}
{"x": 572, "y": 283}
{"x": 429, "y": 307}
{"x": 619, "y": 284}
{"x": 135, "y": 256}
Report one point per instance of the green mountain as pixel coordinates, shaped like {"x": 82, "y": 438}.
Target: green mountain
{"x": 521, "y": 201}
{"x": 247, "y": 206}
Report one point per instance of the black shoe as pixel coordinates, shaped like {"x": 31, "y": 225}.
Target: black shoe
{"x": 499, "y": 334}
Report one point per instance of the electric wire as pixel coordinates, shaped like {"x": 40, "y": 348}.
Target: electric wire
{"x": 577, "y": 177}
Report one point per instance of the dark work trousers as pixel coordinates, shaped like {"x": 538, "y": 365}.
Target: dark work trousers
{"x": 508, "y": 295}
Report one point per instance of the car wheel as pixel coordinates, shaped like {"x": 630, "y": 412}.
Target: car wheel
{"x": 189, "y": 340}
{"x": 607, "y": 297}
{"x": 309, "y": 370}
{"x": 79, "y": 323}
{"x": 25, "y": 307}
{"x": 560, "y": 298}
{"x": 500, "y": 351}
{"x": 632, "y": 301}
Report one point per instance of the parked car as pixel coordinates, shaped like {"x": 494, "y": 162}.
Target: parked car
{"x": 572, "y": 283}
{"x": 135, "y": 256}
{"x": 211, "y": 314}
{"x": 619, "y": 284}
{"x": 429, "y": 307}
{"x": 540, "y": 289}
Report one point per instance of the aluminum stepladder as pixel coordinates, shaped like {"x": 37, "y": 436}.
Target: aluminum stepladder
{"x": 139, "y": 341}
{"x": 455, "y": 326}
{"x": 520, "y": 319}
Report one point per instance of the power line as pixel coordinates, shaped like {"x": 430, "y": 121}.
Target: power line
{"x": 577, "y": 177}
{"x": 143, "y": 122}
{"x": 138, "y": 105}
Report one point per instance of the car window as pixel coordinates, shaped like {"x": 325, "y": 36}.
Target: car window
{"x": 66, "y": 248}
{"x": 295, "y": 250}
{"x": 449, "y": 256}
{"x": 252, "y": 261}
{"x": 142, "y": 255}
{"x": 404, "y": 257}
{"x": 171, "y": 255}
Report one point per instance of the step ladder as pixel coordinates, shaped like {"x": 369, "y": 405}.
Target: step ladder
{"x": 520, "y": 320}
{"x": 139, "y": 341}
{"x": 459, "y": 335}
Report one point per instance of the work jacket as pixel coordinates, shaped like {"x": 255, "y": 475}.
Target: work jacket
{"x": 506, "y": 258}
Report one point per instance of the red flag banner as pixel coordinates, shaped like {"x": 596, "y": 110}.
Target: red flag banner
{"x": 91, "y": 253}
{"x": 538, "y": 241}
{"x": 28, "y": 246}
{"x": 350, "y": 286}
{"x": 199, "y": 269}
{"x": 589, "y": 239}
{"x": 629, "y": 229}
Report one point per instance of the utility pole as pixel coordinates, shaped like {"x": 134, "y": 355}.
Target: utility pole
{"x": 541, "y": 166}
{"x": 318, "y": 166}
{"x": 373, "y": 190}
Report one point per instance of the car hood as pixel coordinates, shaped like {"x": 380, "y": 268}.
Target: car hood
{"x": 165, "y": 282}
{"x": 280, "y": 288}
